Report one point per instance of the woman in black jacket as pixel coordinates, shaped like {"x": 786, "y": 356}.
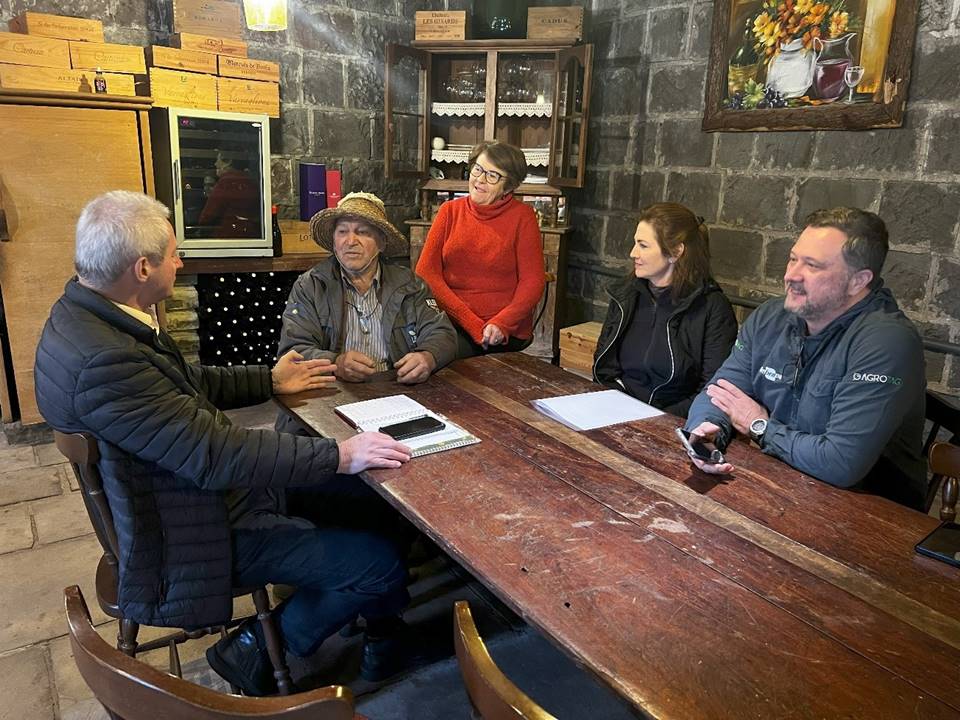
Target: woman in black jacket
{"x": 669, "y": 326}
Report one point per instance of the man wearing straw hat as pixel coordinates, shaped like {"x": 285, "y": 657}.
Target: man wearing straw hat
{"x": 357, "y": 311}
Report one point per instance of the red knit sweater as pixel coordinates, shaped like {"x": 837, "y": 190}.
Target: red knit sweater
{"x": 484, "y": 264}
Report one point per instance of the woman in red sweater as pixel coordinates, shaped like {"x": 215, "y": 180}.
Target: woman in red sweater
{"x": 483, "y": 257}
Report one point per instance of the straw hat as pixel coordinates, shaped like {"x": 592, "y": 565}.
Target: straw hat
{"x": 361, "y": 206}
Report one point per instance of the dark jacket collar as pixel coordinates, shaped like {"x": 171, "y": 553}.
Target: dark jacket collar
{"x": 103, "y": 308}
{"x": 624, "y": 290}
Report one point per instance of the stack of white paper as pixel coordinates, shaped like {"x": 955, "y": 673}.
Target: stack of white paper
{"x": 587, "y": 411}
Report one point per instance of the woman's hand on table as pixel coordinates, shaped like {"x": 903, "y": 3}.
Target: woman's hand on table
{"x": 293, "y": 374}
{"x": 493, "y": 335}
{"x": 354, "y": 366}
{"x": 415, "y": 367}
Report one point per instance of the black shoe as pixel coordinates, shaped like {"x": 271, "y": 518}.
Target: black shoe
{"x": 241, "y": 659}
{"x": 399, "y": 652}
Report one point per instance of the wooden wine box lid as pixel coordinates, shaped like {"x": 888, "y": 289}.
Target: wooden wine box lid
{"x": 210, "y": 44}
{"x": 217, "y": 18}
{"x": 440, "y": 25}
{"x": 248, "y": 96}
{"x": 297, "y": 239}
{"x": 107, "y": 57}
{"x": 555, "y": 23}
{"x": 173, "y": 88}
{"x": 248, "y": 68}
{"x": 25, "y": 77}
{"x": 19, "y": 49}
{"x": 58, "y": 26}
{"x": 177, "y": 59}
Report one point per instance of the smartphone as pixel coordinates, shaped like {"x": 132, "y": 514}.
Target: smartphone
{"x": 699, "y": 449}
{"x": 942, "y": 544}
{"x": 413, "y": 428}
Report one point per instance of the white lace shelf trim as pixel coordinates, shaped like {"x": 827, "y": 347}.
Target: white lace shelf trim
{"x": 458, "y": 109}
{"x": 536, "y": 157}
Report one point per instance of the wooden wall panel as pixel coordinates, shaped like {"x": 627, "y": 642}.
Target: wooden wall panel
{"x": 54, "y": 160}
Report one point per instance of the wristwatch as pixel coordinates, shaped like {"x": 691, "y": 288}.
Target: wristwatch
{"x": 757, "y": 428}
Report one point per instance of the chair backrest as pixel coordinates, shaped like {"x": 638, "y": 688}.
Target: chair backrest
{"x": 490, "y": 691}
{"x": 945, "y": 465}
{"x": 82, "y": 452}
{"x": 133, "y": 690}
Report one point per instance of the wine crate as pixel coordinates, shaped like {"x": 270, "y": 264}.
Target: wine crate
{"x": 297, "y": 238}
{"x": 19, "y": 49}
{"x": 248, "y": 96}
{"x": 555, "y": 23}
{"x": 207, "y": 43}
{"x": 107, "y": 56}
{"x": 578, "y": 343}
{"x": 62, "y": 80}
{"x": 218, "y": 18}
{"x": 58, "y": 26}
{"x": 177, "y": 59}
{"x": 248, "y": 68}
{"x": 440, "y": 25}
{"x": 172, "y": 88}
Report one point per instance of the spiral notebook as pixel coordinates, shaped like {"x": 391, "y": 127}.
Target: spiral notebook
{"x": 371, "y": 415}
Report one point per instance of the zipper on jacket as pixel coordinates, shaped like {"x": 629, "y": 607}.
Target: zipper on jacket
{"x": 673, "y": 366}
{"x": 612, "y": 341}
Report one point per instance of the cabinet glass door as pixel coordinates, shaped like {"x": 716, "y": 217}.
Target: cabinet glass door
{"x": 220, "y": 182}
{"x": 571, "y": 115}
{"x": 407, "y": 104}
{"x": 524, "y": 106}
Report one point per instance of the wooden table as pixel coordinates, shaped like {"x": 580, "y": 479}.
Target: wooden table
{"x": 768, "y": 595}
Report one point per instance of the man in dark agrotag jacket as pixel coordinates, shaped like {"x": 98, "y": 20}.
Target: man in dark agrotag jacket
{"x": 170, "y": 459}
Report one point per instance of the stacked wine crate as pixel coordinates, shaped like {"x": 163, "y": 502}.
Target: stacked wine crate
{"x": 62, "y": 54}
{"x": 207, "y": 68}
{"x": 578, "y": 343}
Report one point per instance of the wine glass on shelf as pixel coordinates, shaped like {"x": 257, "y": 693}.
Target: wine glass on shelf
{"x": 852, "y": 77}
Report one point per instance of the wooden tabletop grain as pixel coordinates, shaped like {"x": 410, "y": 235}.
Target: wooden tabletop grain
{"x": 768, "y": 594}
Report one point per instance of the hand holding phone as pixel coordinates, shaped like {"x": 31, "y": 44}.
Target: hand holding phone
{"x": 698, "y": 448}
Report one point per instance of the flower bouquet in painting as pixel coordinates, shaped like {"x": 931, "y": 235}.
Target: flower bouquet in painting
{"x": 800, "y": 53}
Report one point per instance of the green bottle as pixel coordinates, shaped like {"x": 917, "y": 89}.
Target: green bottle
{"x": 745, "y": 54}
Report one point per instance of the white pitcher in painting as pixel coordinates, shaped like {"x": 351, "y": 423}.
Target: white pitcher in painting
{"x": 790, "y": 71}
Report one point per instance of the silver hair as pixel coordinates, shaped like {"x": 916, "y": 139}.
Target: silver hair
{"x": 114, "y": 230}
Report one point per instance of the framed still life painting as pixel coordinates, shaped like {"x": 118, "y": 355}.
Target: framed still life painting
{"x": 809, "y": 64}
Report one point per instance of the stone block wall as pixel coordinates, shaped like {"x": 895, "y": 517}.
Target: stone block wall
{"x": 755, "y": 188}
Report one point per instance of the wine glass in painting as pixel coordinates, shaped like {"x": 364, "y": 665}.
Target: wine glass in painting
{"x": 852, "y": 77}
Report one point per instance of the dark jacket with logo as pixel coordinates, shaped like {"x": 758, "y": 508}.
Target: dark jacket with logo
{"x": 167, "y": 452}
{"x": 698, "y": 331}
{"x": 846, "y": 405}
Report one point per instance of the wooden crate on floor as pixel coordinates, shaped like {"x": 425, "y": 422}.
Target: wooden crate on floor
{"x": 62, "y": 80}
{"x": 19, "y": 49}
{"x": 218, "y": 18}
{"x": 577, "y": 346}
{"x": 177, "y": 59}
{"x": 248, "y": 96}
{"x": 210, "y": 44}
{"x": 173, "y": 88}
{"x": 58, "y": 26}
{"x": 107, "y": 57}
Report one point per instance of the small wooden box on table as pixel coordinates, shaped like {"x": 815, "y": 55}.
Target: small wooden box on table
{"x": 578, "y": 343}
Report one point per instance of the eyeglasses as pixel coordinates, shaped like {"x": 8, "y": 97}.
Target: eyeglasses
{"x": 491, "y": 176}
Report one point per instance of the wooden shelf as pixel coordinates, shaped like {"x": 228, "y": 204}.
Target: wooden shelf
{"x": 476, "y": 45}
{"x": 285, "y": 263}
{"x": 461, "y": 186}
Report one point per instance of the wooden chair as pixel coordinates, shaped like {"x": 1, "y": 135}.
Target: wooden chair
{"x": 491, "y": 693}
{"x": 943, "y": 411}
{"x": 130, "y": 690}
{"x": 82, "y": 452}
{"x": 945, "y": 466}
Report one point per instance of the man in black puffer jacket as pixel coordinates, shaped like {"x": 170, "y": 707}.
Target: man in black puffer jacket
{"x": 169, "y": 456}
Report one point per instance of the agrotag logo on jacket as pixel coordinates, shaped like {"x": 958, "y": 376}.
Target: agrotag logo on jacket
{"x": 771, "y": 374}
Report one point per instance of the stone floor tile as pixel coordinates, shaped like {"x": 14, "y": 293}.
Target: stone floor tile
{"x": 29, "y": 483}
{"x": 47, "y": 454}
{"x": 89, "y": 709}
{"x": 15, "y": 530}
{"x": 17, "y": 458}
{"x": 60, "y": 518}
{"x": 27, "y": 685}
{"x": 32, "y": 592}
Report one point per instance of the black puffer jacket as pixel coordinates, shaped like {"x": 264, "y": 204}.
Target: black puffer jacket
{"x": 699, "y": 334}
{"x": 167, "y": 452}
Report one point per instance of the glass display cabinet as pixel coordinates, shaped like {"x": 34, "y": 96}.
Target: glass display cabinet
{"x": 212, "y": 170}
{"x": 443, "y": 97}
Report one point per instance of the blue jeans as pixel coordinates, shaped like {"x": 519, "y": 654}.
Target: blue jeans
{"x": 338, "y": 573}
